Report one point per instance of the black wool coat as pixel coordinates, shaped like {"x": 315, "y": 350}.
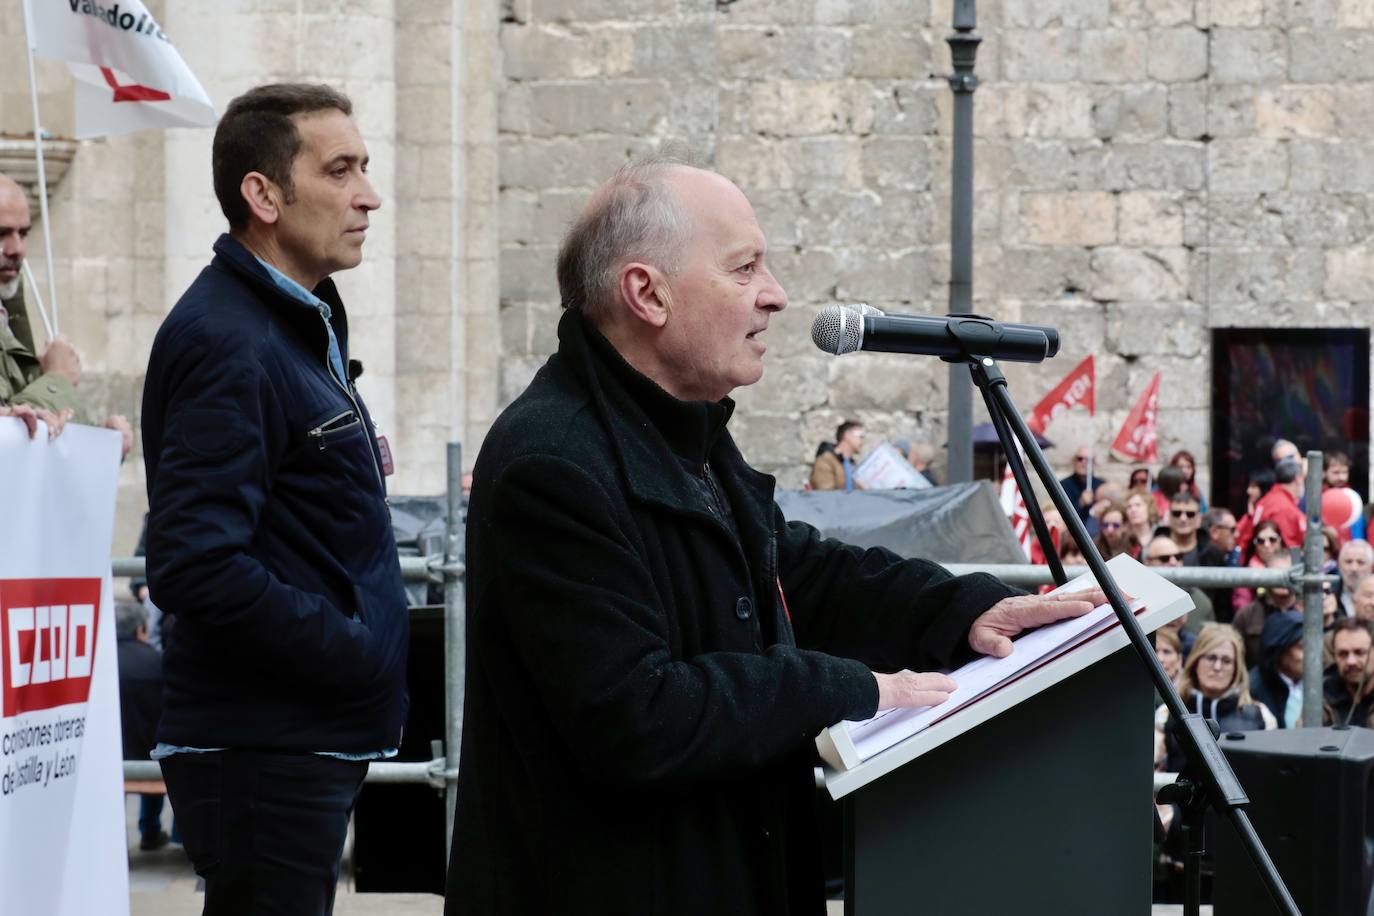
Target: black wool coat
{"x": 652, "y": 648}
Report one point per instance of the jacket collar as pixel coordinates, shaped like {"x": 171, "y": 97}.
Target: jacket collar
{"x": 661, "y": 441}
{"x": 231, "y": 255}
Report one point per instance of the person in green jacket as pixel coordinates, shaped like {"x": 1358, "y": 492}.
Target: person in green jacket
{"x": 46, "y": 383}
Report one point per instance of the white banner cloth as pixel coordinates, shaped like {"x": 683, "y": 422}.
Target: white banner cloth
{"x": 63, "y": 850}
{"x": 128, "y": 75}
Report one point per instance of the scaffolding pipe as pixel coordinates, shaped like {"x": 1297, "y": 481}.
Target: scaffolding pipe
{"x": 1312, "y": 641}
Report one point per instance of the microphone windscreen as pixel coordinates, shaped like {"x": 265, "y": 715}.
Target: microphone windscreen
{"x": 838, "y": 330}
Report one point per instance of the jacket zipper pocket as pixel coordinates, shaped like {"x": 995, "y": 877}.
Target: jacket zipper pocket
{"x": 335, "y": 427}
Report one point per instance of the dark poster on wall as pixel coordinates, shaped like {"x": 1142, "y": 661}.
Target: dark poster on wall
{"x": 1309, "y": 385}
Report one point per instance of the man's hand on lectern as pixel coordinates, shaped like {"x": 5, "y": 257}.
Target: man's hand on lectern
{"x": 913, "y": 688}
{"x": 992, "y": 632}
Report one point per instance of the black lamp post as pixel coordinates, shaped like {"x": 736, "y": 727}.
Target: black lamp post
{"x": 963, "y": 46}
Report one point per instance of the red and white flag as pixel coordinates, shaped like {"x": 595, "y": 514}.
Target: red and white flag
{"x": 1014, "y": 505}
{"x": 1138, "y": 440}
{"x": 128, "y": 75}
{"x": 1078, "y": 387}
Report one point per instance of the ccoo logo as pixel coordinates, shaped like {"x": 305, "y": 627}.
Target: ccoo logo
{"x": 47, "y": 642}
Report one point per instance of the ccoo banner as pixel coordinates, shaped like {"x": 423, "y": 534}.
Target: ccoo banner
{"x": 62, "y": 834}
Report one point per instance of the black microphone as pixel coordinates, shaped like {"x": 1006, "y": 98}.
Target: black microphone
{"x": 842, "y": 329}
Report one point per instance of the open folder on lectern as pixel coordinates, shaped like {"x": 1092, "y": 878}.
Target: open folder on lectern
{"x": 1062, "y": 646}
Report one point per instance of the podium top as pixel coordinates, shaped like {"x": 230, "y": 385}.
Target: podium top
{"x": 1163, "y": 601}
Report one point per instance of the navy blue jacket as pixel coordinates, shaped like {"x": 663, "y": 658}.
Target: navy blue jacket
{"x": 269, "y": 535}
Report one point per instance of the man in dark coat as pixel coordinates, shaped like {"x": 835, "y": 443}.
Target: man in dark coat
{"x": 1348, "y": 686}
{"x": 652, "y": 647}
{"x": 1277, "y": 680}
{"x": 269, "y": 536}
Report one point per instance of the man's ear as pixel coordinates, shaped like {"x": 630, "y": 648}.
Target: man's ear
{"x": 645, "y": 290}
{"x": 262, "y": 196}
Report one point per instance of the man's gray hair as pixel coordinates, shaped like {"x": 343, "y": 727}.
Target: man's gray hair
{"x": 636, "y": 216}
{"x": 128, "y": 618}
{"x": 1359, "y": 544}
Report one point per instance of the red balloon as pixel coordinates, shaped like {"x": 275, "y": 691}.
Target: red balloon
{"x": 1341, "y": 508}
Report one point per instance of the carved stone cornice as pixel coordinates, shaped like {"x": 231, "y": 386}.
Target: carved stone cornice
{"x": 17, "y": 160}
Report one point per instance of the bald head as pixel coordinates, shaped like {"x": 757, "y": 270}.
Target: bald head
{"x": 14, "y": 232}
{"x": 636, "y": 216}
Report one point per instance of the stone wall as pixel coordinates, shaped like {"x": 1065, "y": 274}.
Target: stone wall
{"x": 1146, "y": 170}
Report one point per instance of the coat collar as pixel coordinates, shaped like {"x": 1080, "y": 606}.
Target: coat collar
{"x": 234, "y": 257}
{"x": 660, "y": 441}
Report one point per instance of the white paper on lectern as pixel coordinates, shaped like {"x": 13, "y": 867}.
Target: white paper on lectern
{"x": 978, "y": 677}
{"x": 847, "y": 745}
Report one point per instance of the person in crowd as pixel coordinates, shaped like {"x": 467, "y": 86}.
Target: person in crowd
{"x": 1249, "y": 620}
{"x": 1266, "y": 542}
{"x": 1220, "y": 551}
{"x": 1214, "y": 683}
{"x": 1162, "y": 551}
{"x": 921, "y": 454}
{"x": 1347, "y": 686}
{"x": 1139, "y": 479}
{"x": 269, "y": 535}
{"x": 1081, "y": 484}
{"x": 1362, "y": 604}
{"x": 1107, "y": 492}
{"x": 1280, "y": 505}
{"x": 1276, "y": 681}
{"x": 1113, "y": 537}
{"x": 1335, "y": 470}
{"x": 642, "y": 737}
{"x": 834, "y": 468}
{"x": 47, "y": 382}
{"x": 1069, "y": 554}
{"x": 1284, "y": 450}
{"x": 1258, "y": 482}
{"x": 1170, "y": 481}
{"x": 1142, "y": 516}
{"x": 1169, "y": 651}
{"x": 140, "y": 706}
{"x": 1185, "y": 462}
{"x": 1185, "y": 517}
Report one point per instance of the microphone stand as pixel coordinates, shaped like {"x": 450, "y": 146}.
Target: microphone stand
{"x": 1207, "y": 778}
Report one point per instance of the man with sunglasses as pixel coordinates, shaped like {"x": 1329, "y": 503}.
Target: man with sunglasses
{"x": 1162, "y": 551}
{"x": 1184, "y": 520}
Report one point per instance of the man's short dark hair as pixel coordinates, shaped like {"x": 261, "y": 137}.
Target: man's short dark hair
{"x": 1337, "y": 459}
{"x": 845, "y": 427}
{"x": 256, "y": 134}
{"x": 1183, "y": 496}
{"x": 128, "y": 618}
{"x": 1346, "y": 624}
{"x": 1171, "y": 480}
{"x": 1287, "y": 471}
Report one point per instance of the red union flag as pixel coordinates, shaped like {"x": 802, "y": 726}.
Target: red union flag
{"x": 1078, "y": 387}
{"x": 128, "y": 75}
{"x": 1138, "y": 439}
{"x": 47, "y": 634}
{"x": 1014, "y": 505}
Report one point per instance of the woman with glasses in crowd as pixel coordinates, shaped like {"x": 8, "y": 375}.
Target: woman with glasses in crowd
{"x": 1113, "y": 535}
{"x": 1266, "y": 542}
{"x": 1214, "y": 684}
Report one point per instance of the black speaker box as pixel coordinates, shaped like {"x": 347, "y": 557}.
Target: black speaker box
{"x": 1310, "y": 799}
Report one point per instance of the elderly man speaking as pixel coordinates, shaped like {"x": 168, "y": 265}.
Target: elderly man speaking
{"x": 652, "y": 646}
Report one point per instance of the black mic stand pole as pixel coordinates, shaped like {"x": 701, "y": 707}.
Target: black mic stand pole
{"x": 1207, "y": 779}
{"x": 1018, "y": 471}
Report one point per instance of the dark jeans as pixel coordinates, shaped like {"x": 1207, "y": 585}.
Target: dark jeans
{"x": 264, "y": 829}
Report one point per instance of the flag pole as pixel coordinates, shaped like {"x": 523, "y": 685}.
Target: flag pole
{"x": 52, "y": 326}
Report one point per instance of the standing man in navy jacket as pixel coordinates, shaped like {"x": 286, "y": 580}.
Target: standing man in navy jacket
{"x": 269, "y": 535}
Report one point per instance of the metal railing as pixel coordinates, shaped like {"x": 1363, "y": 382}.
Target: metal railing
{"x": 449, "y": 569}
